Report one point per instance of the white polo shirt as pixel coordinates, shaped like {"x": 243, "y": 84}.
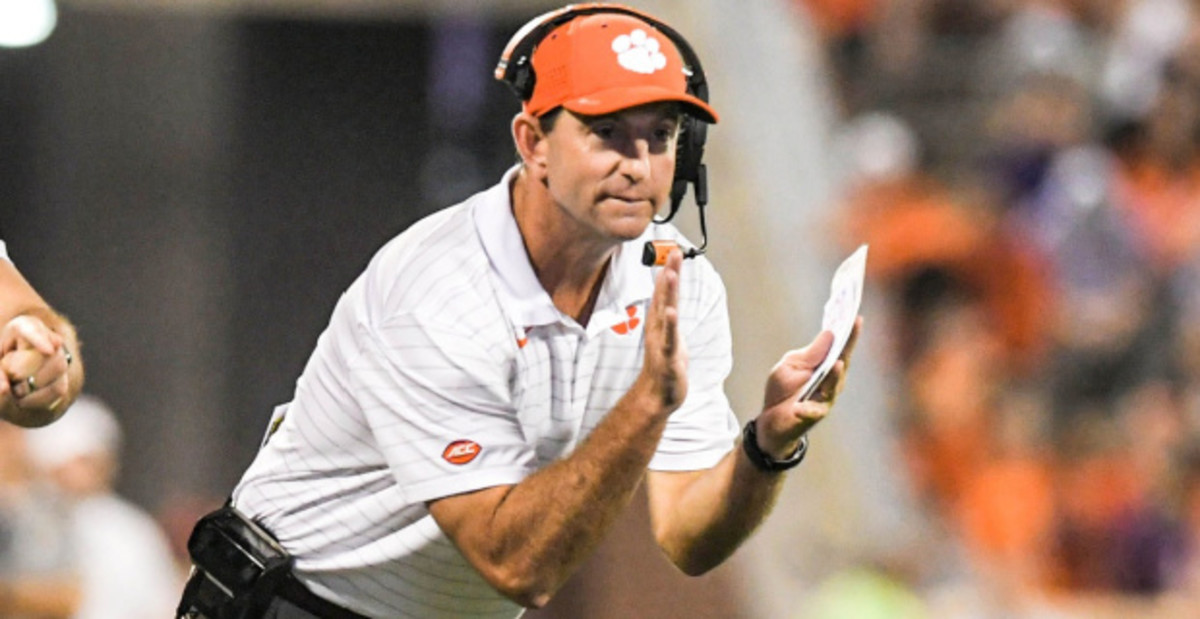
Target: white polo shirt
{"x": 3, "y": 251}
{"x": 446, "y": 369}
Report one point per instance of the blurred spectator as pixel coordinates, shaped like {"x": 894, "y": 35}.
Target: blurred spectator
{"x": 1186, "y": 578}
{"x": 924, "y": 233}
{"x": 842, "y": 20}
{"x": 1096, "y": 491}
{"x": 1039, "y": 116}
{"x": 1159, "y": 179}
{"x": 125, "y": 565}
{"x": 1010, "y": 538}
{"x": 952, "y": 384}
{"x": 1145, "y": 35}
{"x": 1149, "y": 538}
{"x": 37, "y": 557}
{"x": 1109, "y": 314}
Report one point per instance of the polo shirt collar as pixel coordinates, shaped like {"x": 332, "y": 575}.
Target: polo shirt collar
{"x": 626, "y": 283}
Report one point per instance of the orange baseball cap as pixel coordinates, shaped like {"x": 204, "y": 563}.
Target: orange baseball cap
{"x": 604, "y": 62}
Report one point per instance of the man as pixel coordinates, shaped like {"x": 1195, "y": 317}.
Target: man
{"x": 492, "y": 390}
{"x": 39, "y": 353}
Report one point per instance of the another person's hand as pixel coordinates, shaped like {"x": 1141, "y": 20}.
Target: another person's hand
{"x": 34, "y": 367}
{"x": 785, "y": 418}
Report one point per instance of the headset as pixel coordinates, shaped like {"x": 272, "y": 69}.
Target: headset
{"x": 516, "y": 69}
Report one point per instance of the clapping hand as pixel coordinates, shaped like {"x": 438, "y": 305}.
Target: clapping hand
{"x": 34, "y": 363}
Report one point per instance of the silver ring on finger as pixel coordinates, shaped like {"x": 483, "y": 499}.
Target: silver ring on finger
{"x": 32, "y": 382}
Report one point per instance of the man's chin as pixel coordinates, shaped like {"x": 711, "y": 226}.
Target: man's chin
{"x": 631, "y": 228}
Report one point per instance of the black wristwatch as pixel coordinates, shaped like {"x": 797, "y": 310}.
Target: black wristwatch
{"x": 764, "y": 462}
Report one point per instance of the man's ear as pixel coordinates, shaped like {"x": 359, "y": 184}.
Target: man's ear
{"x": 529, "y": 140}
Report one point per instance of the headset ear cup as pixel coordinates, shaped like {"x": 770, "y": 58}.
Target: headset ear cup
{"x": 689, "y": 158}
{"x": 689, "y": 153}
{"x": 523, "y": 81}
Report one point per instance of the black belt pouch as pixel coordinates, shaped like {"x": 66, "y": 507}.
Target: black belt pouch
{"x": 239, "y": 567}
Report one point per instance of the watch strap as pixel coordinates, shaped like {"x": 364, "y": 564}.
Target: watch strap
{"x": 762, "y": 460}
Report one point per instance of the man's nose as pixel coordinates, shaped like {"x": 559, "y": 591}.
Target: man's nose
{"x": 636, "y": 161}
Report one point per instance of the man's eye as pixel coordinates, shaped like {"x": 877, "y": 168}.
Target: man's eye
{"x": 604, "y": 131}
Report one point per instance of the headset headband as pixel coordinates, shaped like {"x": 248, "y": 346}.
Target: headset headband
{"x": 514, "y": 67}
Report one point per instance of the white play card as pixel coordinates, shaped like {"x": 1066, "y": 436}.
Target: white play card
{"x": 841, "y": 310}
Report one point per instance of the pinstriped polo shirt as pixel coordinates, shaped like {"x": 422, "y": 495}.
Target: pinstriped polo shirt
{"x": 446, "y": 369}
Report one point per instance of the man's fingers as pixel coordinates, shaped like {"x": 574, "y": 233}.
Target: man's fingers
{"x": 664, "y": 306}
{"x": 848, "y": 351}
{"x": 834, "y": 382}
{"x": 666, "y": 354}
{"x": 666, "y": 284}
{"x": 47, "y": 397}
{"x": 811, "y": 356}
{"x": 670, "y": 319}
{"x": 28, "y": 371}
{"x": 52, "y": 375}
{"x": 831, "y": 385}
{"x": 29, "y": 332}
{"x": 673, "y": 266}
{"x": 670, "y": 308}
{"x": 19, "y": 364}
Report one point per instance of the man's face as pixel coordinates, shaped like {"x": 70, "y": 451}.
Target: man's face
{"x": 612, "y": 173}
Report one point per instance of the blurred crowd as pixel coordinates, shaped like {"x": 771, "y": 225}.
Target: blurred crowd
{"x": 70, "y": 546}
{"x": 1027, "y": 173}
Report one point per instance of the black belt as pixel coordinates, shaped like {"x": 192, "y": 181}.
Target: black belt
{"x": 294, "y": 592}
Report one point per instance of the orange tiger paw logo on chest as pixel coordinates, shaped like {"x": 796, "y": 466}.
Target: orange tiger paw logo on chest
{"x": 629, "y": 325}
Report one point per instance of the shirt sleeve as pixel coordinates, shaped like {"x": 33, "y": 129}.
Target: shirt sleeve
{"x": 704, "y": 428}
{"x": 440, "y": 405}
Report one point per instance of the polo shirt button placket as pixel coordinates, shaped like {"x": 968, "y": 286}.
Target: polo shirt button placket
{"x": 585, "y": 368}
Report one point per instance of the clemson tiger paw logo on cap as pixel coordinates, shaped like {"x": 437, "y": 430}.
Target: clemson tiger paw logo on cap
{"x": 639, "y": 52}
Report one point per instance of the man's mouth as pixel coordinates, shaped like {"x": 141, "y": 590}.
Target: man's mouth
{"x": 628, "y": 199}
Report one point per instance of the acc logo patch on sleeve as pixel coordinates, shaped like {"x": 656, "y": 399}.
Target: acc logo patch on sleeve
{"x": 461, "y": 451}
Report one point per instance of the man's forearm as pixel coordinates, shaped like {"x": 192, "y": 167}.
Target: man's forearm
{"x": 545, "y": 526}
{"x": 700, "y": 518}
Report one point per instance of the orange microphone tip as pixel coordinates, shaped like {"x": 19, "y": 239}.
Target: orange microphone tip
{"x": 655, "y": 253}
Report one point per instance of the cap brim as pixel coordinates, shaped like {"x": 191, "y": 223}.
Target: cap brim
{"x": 617, "y": 99}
